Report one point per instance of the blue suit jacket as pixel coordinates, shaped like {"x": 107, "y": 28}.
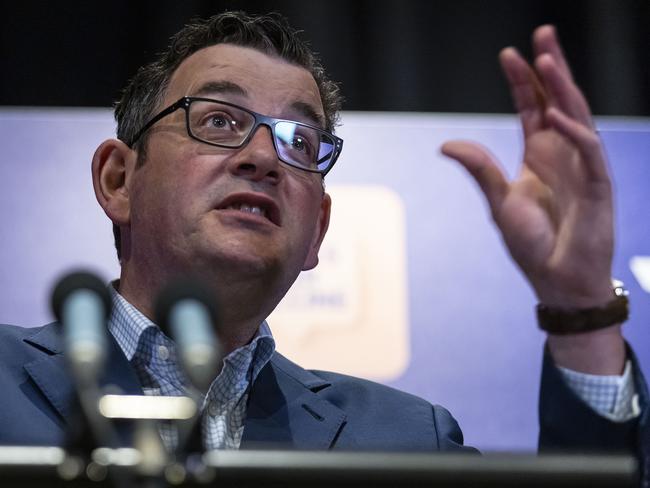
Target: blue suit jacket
{"x": 291, "y": 407}
{"x": 288, "y": 406}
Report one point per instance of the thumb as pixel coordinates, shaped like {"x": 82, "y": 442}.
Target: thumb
{"x": 483, "y": 167}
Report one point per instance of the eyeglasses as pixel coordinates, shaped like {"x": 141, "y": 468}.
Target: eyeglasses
{"x": 224, "y": 124}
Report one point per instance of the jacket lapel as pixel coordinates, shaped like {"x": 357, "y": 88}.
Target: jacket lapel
{"x": 284, "y": 407}
{"x": 285, "y": 410}
{"x": 50, "y": 374}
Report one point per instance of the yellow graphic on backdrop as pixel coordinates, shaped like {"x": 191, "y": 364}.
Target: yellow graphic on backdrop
{"x": 350, "y": 314}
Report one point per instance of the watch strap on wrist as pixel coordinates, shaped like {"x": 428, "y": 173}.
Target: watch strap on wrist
{"x": 565, "y": 321}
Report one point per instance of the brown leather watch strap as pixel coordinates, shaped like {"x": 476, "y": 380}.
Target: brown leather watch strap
{"x": 561, "y": 321}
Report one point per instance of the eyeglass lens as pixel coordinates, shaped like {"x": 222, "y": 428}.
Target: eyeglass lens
{"x": 229, "y": 126}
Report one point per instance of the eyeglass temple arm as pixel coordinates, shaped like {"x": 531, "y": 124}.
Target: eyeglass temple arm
{"x": 183, "y": 102}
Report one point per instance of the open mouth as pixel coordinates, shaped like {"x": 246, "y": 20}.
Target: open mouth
{"x": 253, "y": 204}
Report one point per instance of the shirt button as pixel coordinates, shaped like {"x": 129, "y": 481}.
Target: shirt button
{"x": 163, "y": 353}
{"x": 212, "y": 410}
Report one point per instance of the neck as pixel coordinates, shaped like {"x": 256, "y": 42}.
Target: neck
{"x": 242, "y": 306}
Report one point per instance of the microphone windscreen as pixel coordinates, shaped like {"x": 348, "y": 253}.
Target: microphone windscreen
{"x": 186, "y": 311}
{"x": 77, "y": 281}
{"x": 81, "y": 303}
{"x": 177, "y": 291}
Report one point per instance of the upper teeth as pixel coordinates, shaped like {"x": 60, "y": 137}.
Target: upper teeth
{"x": 248, "y": 208}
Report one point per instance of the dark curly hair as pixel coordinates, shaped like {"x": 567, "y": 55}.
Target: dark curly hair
{"x": 270, "y": 34}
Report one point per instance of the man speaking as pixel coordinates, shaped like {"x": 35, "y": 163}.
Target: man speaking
{"x": 223, "y": 144}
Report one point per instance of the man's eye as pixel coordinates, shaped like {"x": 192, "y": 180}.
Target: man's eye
{"x": 217, "y": 121}
{"x": 220, "y": 121}
{"x": 299, "y": 144}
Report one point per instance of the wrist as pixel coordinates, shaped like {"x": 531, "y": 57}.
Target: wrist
{"x": 563, "y": 320}
{"x": 588, "y": 340}
{"x": 575, "y": 297}
{"x": 600, "y": 352}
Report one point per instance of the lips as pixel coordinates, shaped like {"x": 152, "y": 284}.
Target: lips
{"x": 254, "y": 204}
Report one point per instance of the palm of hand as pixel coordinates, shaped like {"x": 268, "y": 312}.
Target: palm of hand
{"x": 556, "y": 217}
{"x": 555, "y": 222}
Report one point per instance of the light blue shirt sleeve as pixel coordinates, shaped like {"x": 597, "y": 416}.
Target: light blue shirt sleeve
{"x": 613, "y": 397}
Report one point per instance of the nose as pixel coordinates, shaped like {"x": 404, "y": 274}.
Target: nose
{"x": 258, "y": 160}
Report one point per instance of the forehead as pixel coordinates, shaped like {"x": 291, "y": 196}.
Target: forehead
{"x": 270, "y": 84}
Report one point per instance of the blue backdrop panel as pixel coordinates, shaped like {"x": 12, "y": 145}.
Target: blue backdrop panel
{"x": 475, "y": 347}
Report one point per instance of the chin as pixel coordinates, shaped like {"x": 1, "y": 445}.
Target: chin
{"x": 239, "y": 259}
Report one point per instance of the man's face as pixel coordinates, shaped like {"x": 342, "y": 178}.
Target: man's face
{"x": 194, "y": 207}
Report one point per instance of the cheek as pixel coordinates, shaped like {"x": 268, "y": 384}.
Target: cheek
{"x": 307, "y": 217}
{"x": 170, "y": 179}
{"x": 160, "y": 203}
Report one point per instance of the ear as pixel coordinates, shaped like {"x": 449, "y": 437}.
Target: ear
{"x": 319, "y": 233}
{"x": 112, "y": 167}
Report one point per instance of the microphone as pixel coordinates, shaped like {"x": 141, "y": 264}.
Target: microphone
{"x": 82, "y": 304}
{"x": 186, "y": 311}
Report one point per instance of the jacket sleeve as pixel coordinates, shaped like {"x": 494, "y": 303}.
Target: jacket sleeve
{"x": 448, "y": 433}
{"x": 567, "y": 423}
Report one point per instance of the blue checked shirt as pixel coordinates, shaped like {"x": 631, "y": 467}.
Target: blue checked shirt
{"x": 613, "y": 397}
{"x": 153, "y": 356}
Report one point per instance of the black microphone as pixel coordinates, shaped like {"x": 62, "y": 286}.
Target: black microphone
{"x": 186, "y": 311}
{"x": 82, "y": 304}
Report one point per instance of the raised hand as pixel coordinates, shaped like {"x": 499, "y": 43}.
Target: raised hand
{"x": 556, "y": 216}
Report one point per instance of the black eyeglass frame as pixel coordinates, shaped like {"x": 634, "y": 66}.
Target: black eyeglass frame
{"x": 270, "y": 122}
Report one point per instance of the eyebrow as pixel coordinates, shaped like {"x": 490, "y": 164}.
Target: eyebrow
{"x": 223, "y": 87}
{"x": 310, "y": 112}
{"x": 229, "y": 88}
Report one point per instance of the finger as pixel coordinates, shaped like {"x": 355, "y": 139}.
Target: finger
{"x": 555, "y": 73}
{"x": 545, "y": 41}
{"x": 587, "y": 142}
{"x": 564, "y": 92}
{"x": 526, "y": 90}
{"x": 483, "y": 167}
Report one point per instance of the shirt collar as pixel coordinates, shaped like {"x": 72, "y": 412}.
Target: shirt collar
{"x": 127, "y": 324}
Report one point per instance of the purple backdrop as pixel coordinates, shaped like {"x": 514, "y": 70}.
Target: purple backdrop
{"x": 474, "y": 343}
